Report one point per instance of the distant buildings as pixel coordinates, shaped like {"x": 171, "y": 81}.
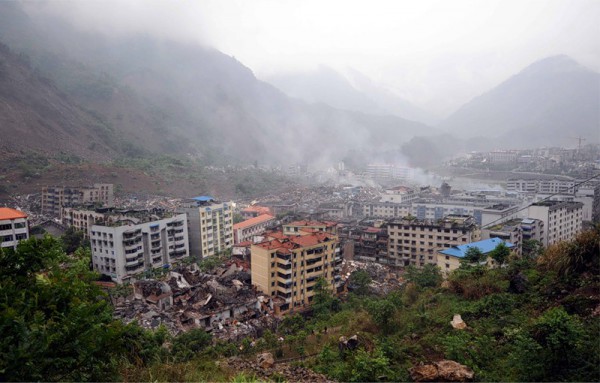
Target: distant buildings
{"x": 399, "y": 194}
{"x": 210, "y": 225}
{"x": 562, "y": 220}
{"x": 415, "y": 242}
{"x": 253, "y": 211}
{"x": 544, "y": 186}
{"x": 287, "y": 267}
{"x": 54, "y": 198}
{"x": 125, "y": 249}
{"x": 246, "y": 230}
{"x": 449, "y": 259}
{"x": 13, "y": 227}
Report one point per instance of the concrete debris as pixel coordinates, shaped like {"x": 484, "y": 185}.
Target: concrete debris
{"x": 442, "y": 371}
{"x": 384, "y": 279}
{"x": 458, "y": 323}
{"x": 223, "y": 303}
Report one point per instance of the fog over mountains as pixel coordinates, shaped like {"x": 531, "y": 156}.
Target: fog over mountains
{"x": 136, "y": 94}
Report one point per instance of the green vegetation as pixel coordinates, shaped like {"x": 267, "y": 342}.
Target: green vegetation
{"x": 532, "y": 320}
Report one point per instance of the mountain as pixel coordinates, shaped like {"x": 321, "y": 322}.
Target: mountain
{"x": 164, "y": 96}
{"x": 36, "y": 115}
{"x": 356, "y": 93}
{"x": 545, "y": 104}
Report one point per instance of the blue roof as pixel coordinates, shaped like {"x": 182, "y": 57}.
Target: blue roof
{"x": 203, "y": 198}
{"x": 484, "y": 246}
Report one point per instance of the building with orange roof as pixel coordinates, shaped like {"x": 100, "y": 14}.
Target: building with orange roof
{"x": 14, "y": 227}
{"x": 254, "y": 211}
{"x": 246, "y": 230}
{"x": 287, "y": 267}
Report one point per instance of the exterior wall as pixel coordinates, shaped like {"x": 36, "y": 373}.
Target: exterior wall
{"x": 512, "y": 234}
{"x": 12, "y": 231}
{"x": 124, "y": 251}
{"x": 247, "y": 233}
{"x": 81, "y": 219}
{"x": 398, "y": 196}
{"x": 498, "y": 215}
{"x": 386, "y": 210}
{"x": 210, "y": 228}
{"x": 54, "y": 198}
{"x": 541, "y": 186}
{"x": 447, "y": 263}
{"x": 415, "y": 242}
{"x": 289, "y": 275}
{"x": 562, "y": 220}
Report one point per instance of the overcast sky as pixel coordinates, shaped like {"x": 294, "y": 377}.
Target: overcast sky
{"x": 436, "y": 53}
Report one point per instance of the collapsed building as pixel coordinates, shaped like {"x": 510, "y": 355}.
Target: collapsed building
{"x": 223, "y": 303}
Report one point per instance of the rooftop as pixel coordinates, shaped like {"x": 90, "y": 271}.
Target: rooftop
{"x": 203, "y": 198}
{"x": 485, "y": 246}
{"x": 288, "y": 242}
{"x": 8, "y": 213}
{"x": 253, "y": 221}
{"x": 311, "y": 223}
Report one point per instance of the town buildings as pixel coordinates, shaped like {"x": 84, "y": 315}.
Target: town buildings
{"x": 415, "y": 242}
{"x": 125, "y": 249}
{"x": 246, "y": 230}
{"x": 449, "y": 259}
{"x": 253, "y": 211}
{"x": 13, "y": 227}
{"x": 210, "y": 225}
{"x": 287, "y": 267}
{"x": 54, "y": 198}
{"x": 562, "y": 220}
{"x": 399, "y": 194}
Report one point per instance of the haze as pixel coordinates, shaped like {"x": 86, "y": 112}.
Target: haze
{"x": 436, "y": 54}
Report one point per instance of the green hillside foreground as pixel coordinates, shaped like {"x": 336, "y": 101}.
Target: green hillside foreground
{"x": 535, "y": 320}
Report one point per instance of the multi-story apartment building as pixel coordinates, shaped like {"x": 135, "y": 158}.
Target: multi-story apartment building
{"x": 551, "y": 186}
{"x": 125, "y": 250}
{"x": 509, "y": 231}
{"x": 246, "y": 230}
{"x": 502, "y": 157}
{"x": 286, "y": 267}
{"x": 562, "y": 220}
{"x": 309, "y": 227}
{"x": 54, "y": 198}
{"x": 399, "y": 194}
{"x": 13, "y": 227}
{"x": 386, "y": 210}
{"x": 371, "y": 245}
{"x": 532, "y": 229}
{"x": 415, "y": 242}
{"x": 210, "y": 226}
{"x": 498, "y": 213}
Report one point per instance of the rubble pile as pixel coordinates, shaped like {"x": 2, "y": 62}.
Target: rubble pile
{"x": 223, "y": 303}
{"x": 383, "y": 278}
{"x": 442, "y": 371}
{"x": 264, "y": 367}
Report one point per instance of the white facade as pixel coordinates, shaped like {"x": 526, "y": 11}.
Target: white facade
{"x": 399, "y": 194}
{"x": 210, "y": 226}
{"x": 13, "y": 227}
{"x": 562, "y": 220}
{"x": 124, "y": 251}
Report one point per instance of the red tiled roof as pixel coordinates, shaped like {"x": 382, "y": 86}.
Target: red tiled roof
{"x": 8, "y": 213}
{"x": 286, "y": 242}
{"x": 253, "y": 221}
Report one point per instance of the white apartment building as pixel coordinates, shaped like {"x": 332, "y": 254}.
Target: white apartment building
{"x": 551, "y": 186}
{"x": 210, "y": 226}
{"x": 13, "y": 227}
{"x": 122, "y": 251}
{"x": 386, "y": 210}
{"x": 415, "y": 242}
{"x": 562, "y": 220}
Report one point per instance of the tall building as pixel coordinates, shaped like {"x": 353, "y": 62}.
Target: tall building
{"x": 415, "y": 242}
{"x": 562, "y": 220}
{"x": 286, "y": 267}
{"x": 13, "y": 227}
{"x": 399, "y": 194}
{"x": 124, "y": 250}
{"x": 210, "y": 226}
{"x": 54, "y": 198}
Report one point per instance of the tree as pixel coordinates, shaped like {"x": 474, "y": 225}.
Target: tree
{"x": 360, "y": 281}
{"x": 73, "y": 239}
{"x": 55, "y": 324}
{"x": 532, "y": 248}
{"x": 500, "y": 254}
{"x": 189, "y": 343}
{"x": 382, "y": 311}
{"x": 473, "y": 255}
{"x": 428, "y": 276}
{"x": 322, "y": 299}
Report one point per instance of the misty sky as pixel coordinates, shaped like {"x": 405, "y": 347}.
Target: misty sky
{"x": 436, "y": 53}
